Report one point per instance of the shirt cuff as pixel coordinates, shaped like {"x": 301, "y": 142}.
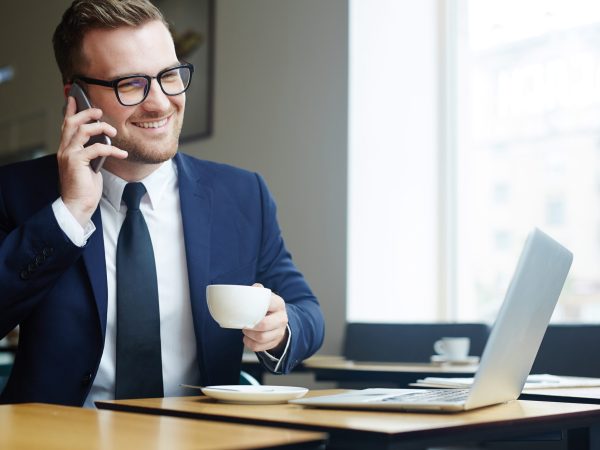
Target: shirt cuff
{"x": 271, "y": 361}
{"x": 69, "y": 225}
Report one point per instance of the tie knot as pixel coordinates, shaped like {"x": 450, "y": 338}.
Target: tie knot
{"x": 132, "y": 195}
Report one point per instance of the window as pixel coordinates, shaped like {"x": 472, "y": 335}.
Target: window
{"x": 470, "y": 123}
{"x": 393, "y": 162}
{"x": 528, "y": 145}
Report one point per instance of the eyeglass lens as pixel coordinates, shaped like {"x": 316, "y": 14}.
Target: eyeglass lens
{"x": 134, "y": 90}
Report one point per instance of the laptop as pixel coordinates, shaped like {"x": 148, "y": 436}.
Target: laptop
{"x": 509, "y": 352}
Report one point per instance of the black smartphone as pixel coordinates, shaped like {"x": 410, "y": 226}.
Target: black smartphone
{"x": 83, "y": 102}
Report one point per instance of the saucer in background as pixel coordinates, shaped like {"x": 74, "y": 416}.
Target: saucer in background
{"x": 441, "y": 359}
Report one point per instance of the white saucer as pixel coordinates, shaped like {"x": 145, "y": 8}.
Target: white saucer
{"x": 253, "y": 395}
{"x": 441, "y": 359}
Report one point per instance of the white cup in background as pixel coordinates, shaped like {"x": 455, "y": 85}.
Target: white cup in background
{"x": 235, "y": 306}
{"x": 453, "y": 348}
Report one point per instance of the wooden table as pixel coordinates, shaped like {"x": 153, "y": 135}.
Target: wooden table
{"x": 339, "y": 369}
{"x": 378, "y": 429}
{"x": 590, "y": 395}
{"x": 333, "y": 368}
{"x": 42, "y": 426}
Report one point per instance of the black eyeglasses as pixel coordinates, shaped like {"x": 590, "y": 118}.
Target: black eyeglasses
{"x": 133, "y": 89}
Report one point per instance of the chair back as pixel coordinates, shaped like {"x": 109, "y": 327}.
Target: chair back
{"x": 569, "y": 349}
{"x": 407, "y": 342}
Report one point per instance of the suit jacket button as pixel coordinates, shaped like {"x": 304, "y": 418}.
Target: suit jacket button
{"x": 87, "y": 379}
{"x": 24, "y": 275}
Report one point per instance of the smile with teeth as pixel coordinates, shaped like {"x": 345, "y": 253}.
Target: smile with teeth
{"x": 155, "y": 124}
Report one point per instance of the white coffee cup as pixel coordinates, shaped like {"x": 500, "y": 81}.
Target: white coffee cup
{"x": 235, "y": 306}
{"x": 452, "y": 348}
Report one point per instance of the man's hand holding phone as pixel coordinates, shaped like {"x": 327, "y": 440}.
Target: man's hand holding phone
{"x": 82, "y": 102}
{"x": 80, "y": 186}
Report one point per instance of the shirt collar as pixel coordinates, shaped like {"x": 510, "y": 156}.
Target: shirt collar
{"x": 155, "y": 184}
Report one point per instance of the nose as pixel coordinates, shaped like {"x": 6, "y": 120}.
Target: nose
{"x": 156, "y": 100}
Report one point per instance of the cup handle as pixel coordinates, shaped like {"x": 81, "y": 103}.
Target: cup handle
{"x": 439, "y": 347}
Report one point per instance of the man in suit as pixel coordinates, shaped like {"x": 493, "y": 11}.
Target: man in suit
{"x": 64, "y": 277}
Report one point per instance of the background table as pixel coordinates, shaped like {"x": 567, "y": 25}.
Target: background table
{"x": 328, "y": 368}
{"x": 590, "y": 395}
{"x": 382, "y": 429}
{"x": 42, "y": 426}
{"x": 363, "y": 374}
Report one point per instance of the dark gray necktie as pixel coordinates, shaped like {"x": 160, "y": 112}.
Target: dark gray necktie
{"x": 138, "y": 362}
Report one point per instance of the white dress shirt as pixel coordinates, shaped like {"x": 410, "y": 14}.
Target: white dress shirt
{"x": 162, "y": 213}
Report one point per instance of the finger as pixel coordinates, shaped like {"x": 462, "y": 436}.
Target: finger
{"x": 71, "y": 123}
{"x": 86, "y": 131}
{"x": 262, "y": 337}
{"x": 68, "y": 125}
{"x": 71, "y": 108}
{"x": 81, "y": 117}
{"x": 257, "y": 285}
{"x": 276, "y": 304}
{"x": 94, "y": 128}
{"x": 270, "y": 322}
{"x": 262, "y": 346}
{"x": 96, "y": 150}
{"x": 73, "y": 159}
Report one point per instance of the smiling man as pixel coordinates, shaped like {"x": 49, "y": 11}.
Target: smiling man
{"x": 105, "y": 272}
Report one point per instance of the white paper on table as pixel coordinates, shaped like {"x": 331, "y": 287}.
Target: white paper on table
{"x": 535, "y": 381}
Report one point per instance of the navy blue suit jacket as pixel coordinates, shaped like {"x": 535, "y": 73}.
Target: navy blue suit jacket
{"x": 57, "y": 292}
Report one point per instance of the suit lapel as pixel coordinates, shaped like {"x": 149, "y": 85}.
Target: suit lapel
{"x": 196, "y": 207}
{"x": 95, "y": 263}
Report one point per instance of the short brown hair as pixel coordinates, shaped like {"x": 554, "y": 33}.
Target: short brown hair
{"x": 85, "y": 15}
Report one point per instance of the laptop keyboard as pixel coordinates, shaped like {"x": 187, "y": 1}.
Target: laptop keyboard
{"x": 431, "y": 396}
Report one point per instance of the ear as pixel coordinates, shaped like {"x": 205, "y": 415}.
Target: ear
{"x": 66, "y": 89}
